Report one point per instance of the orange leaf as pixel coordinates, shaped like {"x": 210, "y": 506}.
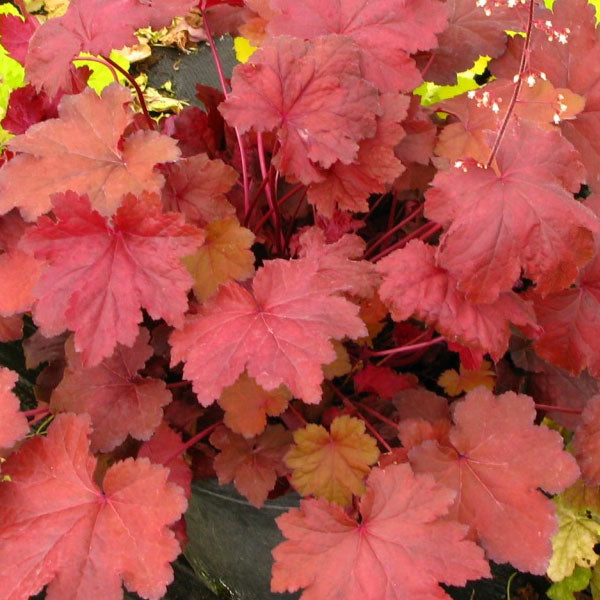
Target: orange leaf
{"x": 455, "y": 383}
{"x": 247, "y": 404}
{"x": 332, "y": 465}
{"x": 225, "y": 256}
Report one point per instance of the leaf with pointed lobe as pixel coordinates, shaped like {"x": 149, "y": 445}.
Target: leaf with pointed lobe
{"x": 496, "y": 461}
{"x": 252, "y": 464}
{"x": 196, "y": 187}
{"x": 312, "y": 93}
{"x": 472, "y": 33}
{"x": 340, "y": 263}
{"x": 80, "y": 540}
{"x": 13, "y": 423}
{"x": 193, "y": 132}
{"x": 27, "y": 107}
{"x": 400, "y": 550}
{"x": 279, "y": 332}
{"x": 90, "y": 26}
{"x": 83, "y": 151}
{"x": 118, "y": 400}
{"x": 332, "y": 464}
{"x": 247, "y": 405}
{"x": 385, "y": 31}
{"x": 414, "y": 286}
{"x": 15, "y": 34}
{"x": 348, "y": 187}
{"x": 100, "y": 274}
{"x": 160, "y": 448}
{"x": 522, "y": 218}
{"x": 224, "y": 256}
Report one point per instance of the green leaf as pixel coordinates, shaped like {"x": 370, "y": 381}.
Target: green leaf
{"x": 102, "y": 76}
{"x": 565, "y": 589}
{"x": 230, "y": 541}
{"x": 431, "y": 92}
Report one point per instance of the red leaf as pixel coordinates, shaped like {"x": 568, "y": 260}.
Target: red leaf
{"x": 13, "y": 424}
{"x": 119, "y": 402}
{"x": 349, "y": 186}
{"x": 193, "y": 132}
{"x": 100, "y": 275}
{"x": 83, "y": 151}
{"x": 338, "y": 263}
{"x": 556, "y": 387}
{"x": 160, "y": 448}
{"x": 586, "y": 443}
{"x": 91, "y": 26}
{"x": 400, "y": 550}
{"x": 386, "y": 32}
{"x": 383, "y": 381}
{"x": 313, "y": 94}
{"x": 524, "y": 217}
{"x": 15, "y": 35}
{"x": 564, "y": 64}
{"x": 27, "y": 107}
{"x": 414, "y": 285}
{"x": 280, "y": 332}
{"x": 247, "y": 405}
{"x": 497, "y": 460}
{"x": 19, "y": 273}
{"x": 571, "y": 319}
{"x": 471, "y": 33}
{"x": 252, "y": 464}
{"x": 196, "y": 187}
{"x": 81, "y": 540}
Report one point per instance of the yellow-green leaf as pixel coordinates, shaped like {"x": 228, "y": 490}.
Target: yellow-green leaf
{"x": 573, "y": 544}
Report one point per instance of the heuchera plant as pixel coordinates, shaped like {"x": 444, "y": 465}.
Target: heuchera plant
{"x": 316, "y": 284}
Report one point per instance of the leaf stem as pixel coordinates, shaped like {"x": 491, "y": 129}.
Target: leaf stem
{"x": 136, "y": 87}
{"x": 297, "y": 414}
{"x": 550, "y": 408}
{"x": 42, "y": 410}
{"x": 394, "y": 229}
{"x": 376, "y": 414}
{"x": 100, "y": 61}
{"x": 411, "y": 348}
{"x": 281, "y": 201}
{"x": 238, "y": 135}
{"x": 516, "y": 91}
{"x": 348, "y": 403}
{"x": 428, "y": 230}
{"x": 178, "y": 384}
{"x": 273, "y": 207}
{"x": 192, "y": 441}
